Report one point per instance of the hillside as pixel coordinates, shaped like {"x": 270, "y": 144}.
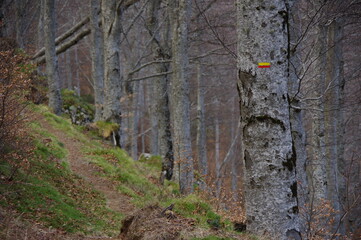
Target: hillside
{"x": 77, "y": 186}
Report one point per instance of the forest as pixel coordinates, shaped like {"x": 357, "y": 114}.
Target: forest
{"x": 180, "y": 119}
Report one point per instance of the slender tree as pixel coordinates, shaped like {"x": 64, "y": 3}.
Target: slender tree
{"x": 97, "y": 59}
{"x": 55, "y": 102}
{"x": 201, "y": 141}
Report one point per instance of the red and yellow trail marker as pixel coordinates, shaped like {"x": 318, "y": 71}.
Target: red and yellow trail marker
{"x": 264, "y": 65}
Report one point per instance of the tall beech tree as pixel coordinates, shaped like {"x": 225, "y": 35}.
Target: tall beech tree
{"x": 180, "y": 102}
{"x": 161, "y": 54}
{"x": 111, "y": 17}
{"x": 268, "y": 151}
{"x": 97, "y": 58}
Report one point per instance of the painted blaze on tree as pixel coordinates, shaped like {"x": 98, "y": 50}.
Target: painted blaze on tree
{"x": 268, "y": 151}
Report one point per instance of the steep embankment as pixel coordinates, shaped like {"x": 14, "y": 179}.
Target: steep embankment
{"x": 77, "y": 187}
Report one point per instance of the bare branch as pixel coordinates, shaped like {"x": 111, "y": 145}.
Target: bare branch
{"x": 64, "y": 36}
{"x": 63, "y": 47}
{"x": 150, "y": 76}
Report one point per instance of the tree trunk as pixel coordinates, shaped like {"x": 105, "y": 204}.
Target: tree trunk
{"x": 55, "y": 102}
{"x": 161, "y": 112}
{"x": 296, "y": 114}
{"x": 234, "y": 168}
{"x": 217, "y": 150}
{"x": 77, "y": 79}
{"x": 20, "y": 12}
{"x": 97, "y": 59}
{"x": 69, "y": 80}
{"x": 334, "y": 120}
{"x": 269, "y": 155}
{"x": 201, "y": 140}
{"x": 135, "y": 120}
{"x": 180, "y": 102}
{"x": 112, "y": 73}
{"x": 154, "y": 133}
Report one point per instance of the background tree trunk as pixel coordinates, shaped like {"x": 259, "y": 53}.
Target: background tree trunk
{"x": 161, "y": 52}
{"x": 296, "y": 113}
{"x": 269, "y": 155}
{"x": 55, "y": 102}
{"x": 97, "y": 59}
{"x": 112, "y": 73}
{"x": 180, "y": 102}
{"x": 69, "y": 76}
{"x": 201, "y": 140}
{"x": 20, "y": 18}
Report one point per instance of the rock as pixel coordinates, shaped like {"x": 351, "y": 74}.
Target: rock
{"x": 145, "y": 156}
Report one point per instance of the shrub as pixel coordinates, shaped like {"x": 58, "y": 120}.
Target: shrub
{"x": 15, "y": 77}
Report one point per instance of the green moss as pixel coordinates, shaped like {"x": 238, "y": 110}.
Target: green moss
{"x": 194, "y": 207}
{"x": 153, "y": 162}
{"x": 71, "y": 99}
{"x": 105, "y": 129}
{"x": 117, "y": 165}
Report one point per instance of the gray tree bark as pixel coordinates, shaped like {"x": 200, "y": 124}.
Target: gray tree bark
{"x": 217, "y": 149}
{"x": 201, "y": 127}
{"x": 161, "y": 51}
{"x": 40, "y": 32}
{"x": 334, "y": 120}
{"x": 97, "y": 59}
{"x": 234, "y": 164}
{"x": 20, "y": 18}
{"x": 69, "y": 80}
{"x": 269, "y": 155}
{"x": 180, "y": 102}
{"x": 76, "y": 78}
{"x": 55, "y": 102}
{"x": 111, "y": 25}
{"x": 135, "y": 120}
{"x": 296, "y": 113}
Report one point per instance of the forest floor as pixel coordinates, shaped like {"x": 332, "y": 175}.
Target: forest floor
{"x": 81, "y": 188}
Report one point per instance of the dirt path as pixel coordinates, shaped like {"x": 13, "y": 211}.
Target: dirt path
{"x": 81, "y": 166}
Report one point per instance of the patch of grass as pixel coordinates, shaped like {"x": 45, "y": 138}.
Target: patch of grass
{"x": 105, "y": 129}
{"x": 118, "y": 166}
{"x": 192, "y": 206}
{"x": 154, "y": 162}
{"x": 63, "y": 124}
{"x": 48, "y": 192}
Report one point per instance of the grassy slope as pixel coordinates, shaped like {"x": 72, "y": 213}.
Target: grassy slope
{"x": 48, "y": 192}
